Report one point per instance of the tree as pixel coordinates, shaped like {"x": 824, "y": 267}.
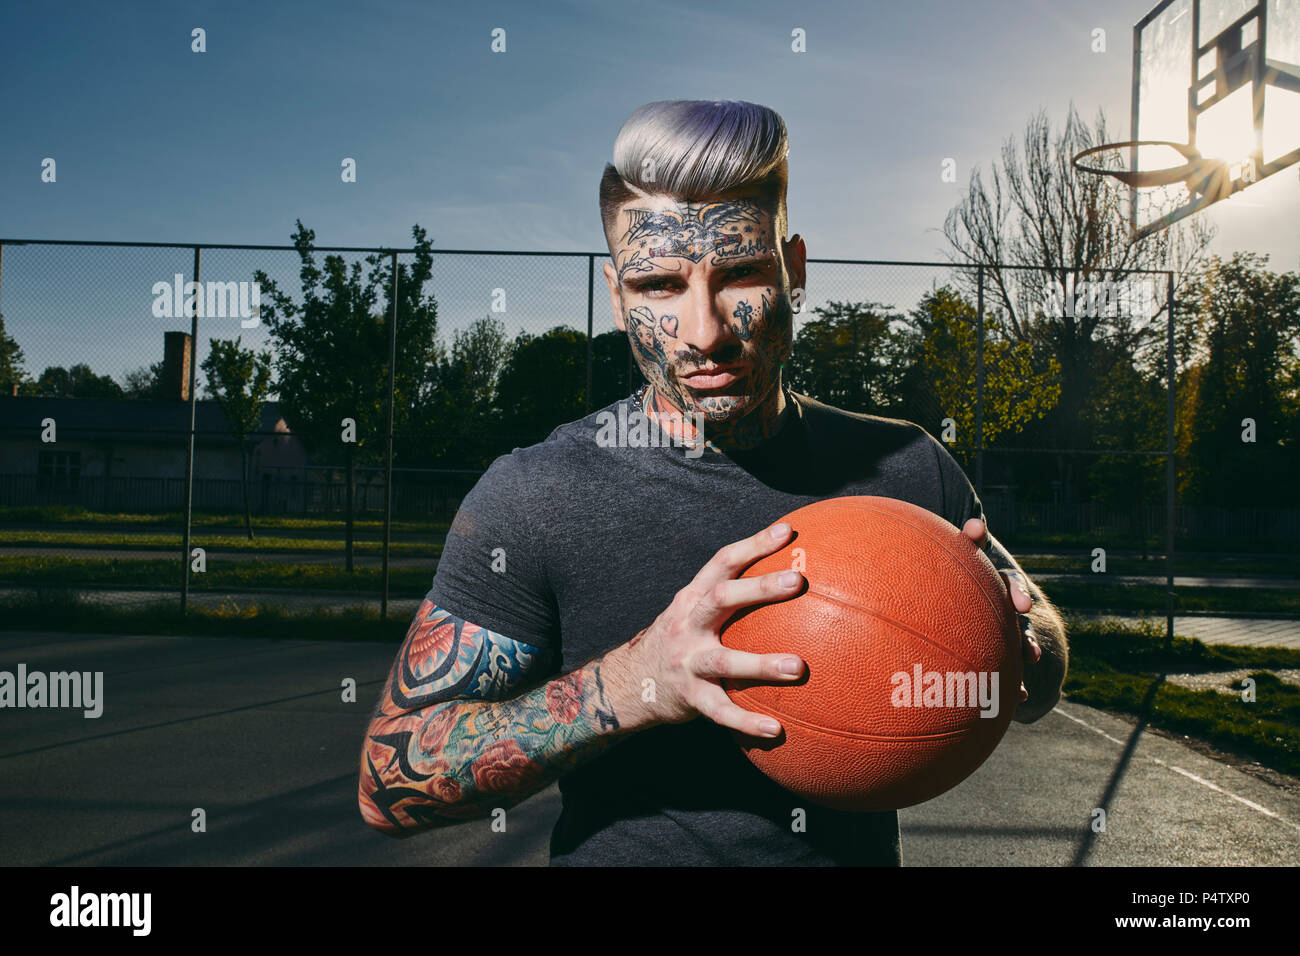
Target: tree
{"x": 332, "y": 352}
{"x": 144, "y": 382}
{"x": 944, "y": 343}
{"x": 847, "y": 357}
{"x": 75, "y": 382}
{"x": 1248, "y": 320}
{"x": 11, "y": 362}
{"x": 613, "y": 373}
{"x": 457, "y": 428}
{"x": 1068, "y": 228}
{"x": 239, "y": 379}
{"x": 542, "y": 383}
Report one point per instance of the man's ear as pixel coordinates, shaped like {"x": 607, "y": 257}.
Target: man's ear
{"x": 615, "y": 300}
{"x": 796, "y": 262}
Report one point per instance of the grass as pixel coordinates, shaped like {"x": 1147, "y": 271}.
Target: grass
{"x": 228, "y": 542}
{"x": 1150, "y": 598}
{"x": 1028, "y": 540}
{"x": 52, "y": 610}
{"x": 149, "y": 573}
{"x": 244, "y": 572}
{"x": 1183, "y": 564}
{"x": 70, "y": 514}
{"x": 1120, "y": 668}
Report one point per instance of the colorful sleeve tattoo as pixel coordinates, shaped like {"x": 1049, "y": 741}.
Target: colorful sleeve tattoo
{"x": 449, "y": 741}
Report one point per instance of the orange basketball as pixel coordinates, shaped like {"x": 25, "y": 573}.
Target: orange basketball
{"x": 913, "y": 653}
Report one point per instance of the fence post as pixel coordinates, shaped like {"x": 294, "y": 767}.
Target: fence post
{"x": 591, "y": 270}
{"x": 979, "y": 383}
{"x": 388, "y": 450}
{"x": 1171, "y": 469}
{"x": 189, "y": 452}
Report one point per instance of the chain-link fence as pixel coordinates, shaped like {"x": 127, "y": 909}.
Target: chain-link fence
{"x": 132, "y": 471}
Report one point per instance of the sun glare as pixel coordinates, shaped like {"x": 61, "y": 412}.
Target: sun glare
{"x": 1227, "y": 129}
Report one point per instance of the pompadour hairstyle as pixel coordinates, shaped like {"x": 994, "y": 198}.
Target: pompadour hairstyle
{"x": 691, "y": 149}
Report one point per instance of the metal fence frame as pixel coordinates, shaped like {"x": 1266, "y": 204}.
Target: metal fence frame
{"x": 980, "y": 270}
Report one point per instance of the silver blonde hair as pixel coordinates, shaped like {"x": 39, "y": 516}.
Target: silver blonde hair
{"x": 692, "y": 149}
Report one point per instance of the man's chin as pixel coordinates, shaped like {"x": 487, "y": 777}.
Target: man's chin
{"x": 723, "y": 407}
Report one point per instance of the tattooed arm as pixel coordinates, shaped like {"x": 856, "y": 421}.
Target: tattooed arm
{"x": 462, "y": 727}
{"x": 467, "y": 723}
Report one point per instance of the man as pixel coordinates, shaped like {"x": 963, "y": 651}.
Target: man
{"x": 614, "y": 561}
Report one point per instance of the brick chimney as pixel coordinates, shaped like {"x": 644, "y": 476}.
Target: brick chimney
{"x": 177, "y": 355}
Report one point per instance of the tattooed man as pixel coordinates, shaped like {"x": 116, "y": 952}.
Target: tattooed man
{"x": 572, "y": 631}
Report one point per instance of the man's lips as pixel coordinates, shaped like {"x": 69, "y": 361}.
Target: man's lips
{"x": 719, "y": 376}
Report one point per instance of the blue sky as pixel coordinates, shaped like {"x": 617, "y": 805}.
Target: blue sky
{"x": 501, "y": 151}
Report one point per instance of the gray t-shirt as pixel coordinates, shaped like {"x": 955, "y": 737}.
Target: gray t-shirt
{"x": 597, "y": 540}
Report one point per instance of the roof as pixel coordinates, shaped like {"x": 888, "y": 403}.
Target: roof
{"x": 125, "y": 419}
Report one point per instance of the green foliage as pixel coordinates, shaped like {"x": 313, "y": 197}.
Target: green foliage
{"x": 1015, "y": 391}
{"x": 1126, "y": 411}
{"x": 542, "y": 384}
{"x": 75, "y": 382}
{"x": 332, "y": 348}
{"x": 11, "y": 362}
{"x": 144, "y": 382}
{"x": 862, "y": 357}
{"x": 457, "y": 426}
{"x": 848, "y": 357}
{"x": 1248, "y": 320}
{"x": 239, "y": 379}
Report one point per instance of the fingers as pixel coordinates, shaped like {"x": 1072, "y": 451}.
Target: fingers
{"x": 730, "y": 595}
{"x": 733, "y": 558}
{"x": 977, "y": 531}
{"x": 1018, "y": 590}
{"x": 1033, "y": 651}
{"x": 742, "y": 665}
{"x": 718, "y": 707}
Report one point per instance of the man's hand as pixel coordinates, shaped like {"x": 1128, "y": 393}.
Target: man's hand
{"x": 681, "y": 651}
{"x": 1021, "y": 599}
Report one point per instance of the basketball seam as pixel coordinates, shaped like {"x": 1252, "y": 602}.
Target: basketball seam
{"x": 852, "y": 502}
{"x": 898, "y": 624}
{"x": 835, "y": 732}
{"x": 960, "y": 559}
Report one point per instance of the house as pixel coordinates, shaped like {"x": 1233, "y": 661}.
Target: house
{"x": 130, "y": 454}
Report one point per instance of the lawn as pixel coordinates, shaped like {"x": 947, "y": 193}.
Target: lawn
{"x": 1121, "y": 668}
{"x": 62, "y": 572}
{"x": 205, "y": 538}
{"x": 52, "y": 515}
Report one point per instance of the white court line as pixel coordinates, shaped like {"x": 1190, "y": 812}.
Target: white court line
{"x": 1191, "y": 776}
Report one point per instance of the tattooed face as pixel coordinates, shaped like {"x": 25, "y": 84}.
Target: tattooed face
{"x": 702, "y": 289}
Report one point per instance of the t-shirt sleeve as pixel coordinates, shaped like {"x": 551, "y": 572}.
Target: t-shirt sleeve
{"x": 961, "y": 503}
{"x": 491, "y": 572}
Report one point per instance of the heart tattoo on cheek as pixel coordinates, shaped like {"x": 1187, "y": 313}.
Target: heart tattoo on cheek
{"x": 669, "y": 324}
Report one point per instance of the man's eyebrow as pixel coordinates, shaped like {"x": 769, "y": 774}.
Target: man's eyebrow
{"x": 729, "y": 262}
{"x": 637, "y": 279}
{"x": 748, "y": 260}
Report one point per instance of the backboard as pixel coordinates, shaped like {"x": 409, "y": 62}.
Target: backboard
{"x": 1222, "y": 76}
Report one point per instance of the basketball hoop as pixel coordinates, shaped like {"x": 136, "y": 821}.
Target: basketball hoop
{"x": 1169, "y": 191}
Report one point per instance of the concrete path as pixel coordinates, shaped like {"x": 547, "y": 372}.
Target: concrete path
{"x": 256, "y": 733}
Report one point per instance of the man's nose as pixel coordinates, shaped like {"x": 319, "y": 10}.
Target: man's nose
{"x": 702, "y": 325}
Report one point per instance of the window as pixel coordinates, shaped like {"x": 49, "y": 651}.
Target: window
{"x": 59, "y": 470}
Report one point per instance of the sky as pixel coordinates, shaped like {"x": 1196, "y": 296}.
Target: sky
{"x": 502, "y": 151}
